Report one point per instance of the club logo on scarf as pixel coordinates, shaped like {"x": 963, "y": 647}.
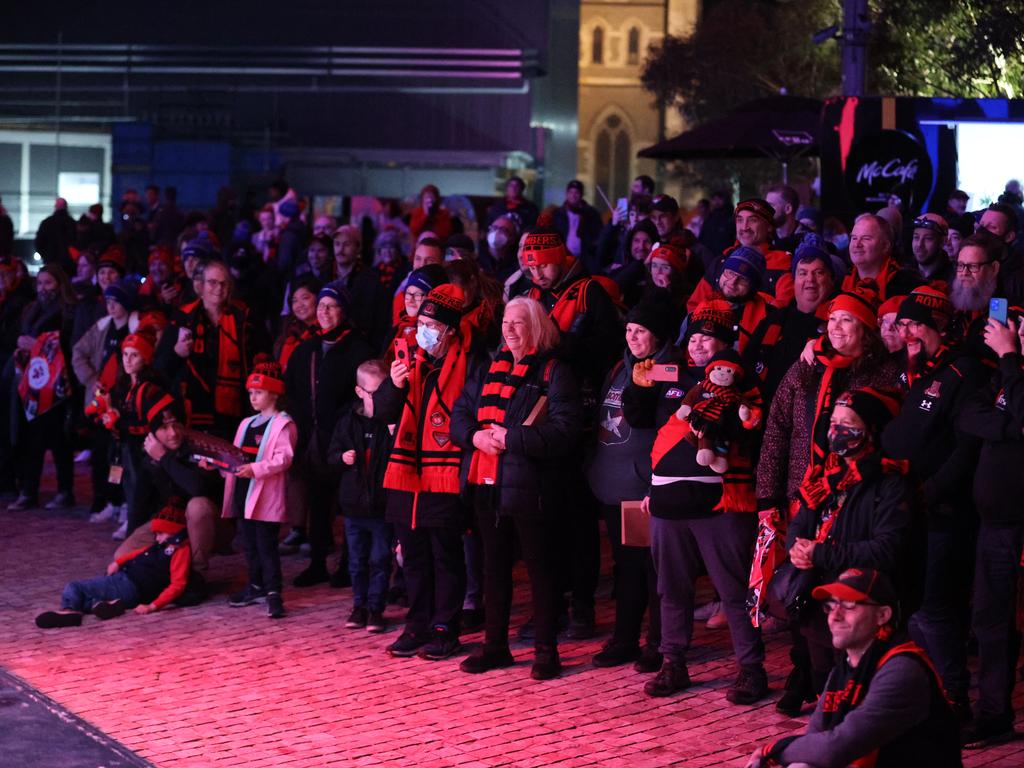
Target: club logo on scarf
{"x": 441, "y": 438}
{"x": 437, "y": 419}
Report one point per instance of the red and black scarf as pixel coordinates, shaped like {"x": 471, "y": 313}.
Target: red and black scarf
{"x": 828, "y": 391}
{"x": 570, "y": 303}
{"x": 502, "y": 381}
{"x": 940, "y": 358}
{"x": 878, "y": 286}
{"x": 424, "y": 457}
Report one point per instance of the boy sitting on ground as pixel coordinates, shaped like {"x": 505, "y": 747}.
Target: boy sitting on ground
{"x": 147, "y": 579}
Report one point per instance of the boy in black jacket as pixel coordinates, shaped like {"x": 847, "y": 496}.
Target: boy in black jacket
{"x": 361, "y": 445}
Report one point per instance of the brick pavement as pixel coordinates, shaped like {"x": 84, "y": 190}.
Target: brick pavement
{"x": 216, "y": 686}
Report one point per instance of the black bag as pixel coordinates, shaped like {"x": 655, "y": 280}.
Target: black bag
{"x": 789, "y": 591}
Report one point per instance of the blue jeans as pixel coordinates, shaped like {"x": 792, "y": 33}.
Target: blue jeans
{"x": 83, "y": 595}
{"x": 369, "y": 561}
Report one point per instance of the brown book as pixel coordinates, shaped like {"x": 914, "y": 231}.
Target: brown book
{"x": 636, "y": 525}
{"x": 539, "y": 412}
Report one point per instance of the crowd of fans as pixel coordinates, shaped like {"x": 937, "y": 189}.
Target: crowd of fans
{"x": 798, "y": 410}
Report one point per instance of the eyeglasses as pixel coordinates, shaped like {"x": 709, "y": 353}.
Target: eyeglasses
{"x": 829, "y": 606}
{"x": 907, "y": 325}
{"x": 217, "y": 283}
{"x": 964, "y": 268}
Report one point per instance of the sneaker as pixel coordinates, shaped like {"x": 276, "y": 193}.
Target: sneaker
{"x": 275, "y": 605}
{"x": 615, "y": 654}
{"x": 407, "y": 644}
{"x": 546, "y": 664}
{"x": 122, "y": 514}
{"x": 472, "y": 620}
{"x": 290, "y": 544}
{"x": 484, "y": 659}
{"x": 650, "y": 660}
{"x": 249, "y": 595}
{"x": 357, "y": 619}
{"x": 341, "y": 578}
{"x": 106, "y": 514}
{"x": 61, "y": 501}
{"x": 376, "y": 622}
{"x": 751, "y": 684}
{"x": 706, "y": 611}
{"x": 22, "y": 503}
{"x": 121, "y": 533}
{"x": 986, "y": 731}
{"x": 311, "y": 576}
{"x": 673, "y": 677}
{"x": 58, "y": 619}
{"x": 108, "y": 609}
{"x": 443, "y": 645}
{"x": 717, "y": 620}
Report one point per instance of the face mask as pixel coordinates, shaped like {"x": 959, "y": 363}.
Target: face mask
{"x": 46, "y": 297}
{"x": 427, "y": 338}
{"x": 497, "y": 239}
{"x": 841, "y": 241}
{"x": 843, "y": 441}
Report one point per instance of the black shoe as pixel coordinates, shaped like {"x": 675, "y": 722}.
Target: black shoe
{"x": 407, "y": 644}
{"x": 615, "y": 654}
{"x": 798, "y": 691}
{"x": 108, "y": 609}
{"x": 340, "y": 578}
{"x": 751, "y": 684}
{"x": 673, "y": 677}
{"x": 443, "y": 645}
{"x": 985, "y": 731}
{"x": 472, "y": 620}
{"x": 581, "y": 625}
{"x": 312, "y": 575}
{"x": 650, "y": 660}
{"x": 484, "y": 659}
{"x": 376, "y": 622}
{"x": 249, "y": 595}
{"x": 58, "y": 619}
{"x": 357, "y": 619}
{"x": 546, "y": 664}
{"x": 275, "y": 605}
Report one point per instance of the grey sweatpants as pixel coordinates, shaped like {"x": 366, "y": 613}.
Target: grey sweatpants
{"x": 725, "y": 544}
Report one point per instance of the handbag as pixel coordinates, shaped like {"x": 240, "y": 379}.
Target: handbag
{"x": 789, "y": 591}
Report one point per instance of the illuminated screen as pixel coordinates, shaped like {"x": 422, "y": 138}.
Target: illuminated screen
{"x": 988, "y": 157}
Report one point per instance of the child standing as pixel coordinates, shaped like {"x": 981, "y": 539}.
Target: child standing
{"x": 147, "y": 579}
{"x": 360, "y": 445}
{"x": 254, "y": 493}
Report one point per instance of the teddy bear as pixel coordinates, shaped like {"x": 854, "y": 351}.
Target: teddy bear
{"x": 709, "y": 405}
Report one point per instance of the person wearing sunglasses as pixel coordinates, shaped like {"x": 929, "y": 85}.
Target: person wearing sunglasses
{"x": 883, "y": 704}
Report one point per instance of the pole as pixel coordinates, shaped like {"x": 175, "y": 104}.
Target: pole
{"x": 856, "y": 25}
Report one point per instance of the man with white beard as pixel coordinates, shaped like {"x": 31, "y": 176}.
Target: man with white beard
{"x": 976, "y": 282}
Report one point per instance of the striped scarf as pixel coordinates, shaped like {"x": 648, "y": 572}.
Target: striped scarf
{"x": 502, "y": 381}
{"x": 828, "y": 391}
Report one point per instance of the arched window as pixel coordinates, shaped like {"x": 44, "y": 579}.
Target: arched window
{"x": 634, "y": 46}
{"x": 612, "y": 156}
{"x": 597, "y": 46}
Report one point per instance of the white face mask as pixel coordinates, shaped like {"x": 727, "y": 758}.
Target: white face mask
{"x": 497, "y": 239}
{"x": 427, "y": 338}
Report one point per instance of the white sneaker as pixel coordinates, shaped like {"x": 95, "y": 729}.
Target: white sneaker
{"x": 83, "y": 456}
{"x": 121, "y": 533}
{"x": 109, "y": 512}
{"x": 122, "y": 514}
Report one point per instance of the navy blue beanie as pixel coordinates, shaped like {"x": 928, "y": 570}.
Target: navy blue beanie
{"x": 812, "y": 248}
{"x": 427, "y": 278}
{"x": 747, "y": 262}
{"x": 121, "y": 293}
{"x": 339, "y": 293}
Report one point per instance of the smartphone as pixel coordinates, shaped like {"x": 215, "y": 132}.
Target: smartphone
{"x": 402, "y": 351}
{"x": 997, "y": 310}
{"x": 666, "y": 372}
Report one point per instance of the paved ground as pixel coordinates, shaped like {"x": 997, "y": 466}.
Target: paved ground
{"x": 216, "y": 686}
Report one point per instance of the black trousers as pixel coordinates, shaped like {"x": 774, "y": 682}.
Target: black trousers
{"x": 47, "y": 433}
{"x": 580, "y": 537}
{"x": 260, "y": 541}
{"x": 139, "y": 491}
{"x": 101, "y": 446}
{"x": 321, "y": 498}
{"x": 538, "y": 542}
{"x": 636, "y": 586}
{"x": 435, "y": 578}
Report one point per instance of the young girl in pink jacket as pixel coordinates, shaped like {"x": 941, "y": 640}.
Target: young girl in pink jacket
{"x": 254, "y": 493}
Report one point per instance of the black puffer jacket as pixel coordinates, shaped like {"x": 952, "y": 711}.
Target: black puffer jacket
{"x": 531, "y": 471}
{"x": 361, "y": 492}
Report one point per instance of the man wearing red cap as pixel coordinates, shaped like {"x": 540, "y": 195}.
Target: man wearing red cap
{"x": 939, "y": 379}
{"x": 883, "y": 704}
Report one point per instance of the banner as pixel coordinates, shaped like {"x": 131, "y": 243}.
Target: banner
{"x": 44, "y": 381}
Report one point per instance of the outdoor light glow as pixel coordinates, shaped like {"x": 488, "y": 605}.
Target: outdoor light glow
{"x": 988, "y": 158}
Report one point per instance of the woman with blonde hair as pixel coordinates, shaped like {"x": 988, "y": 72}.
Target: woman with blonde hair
{"x": 517, "y": 421}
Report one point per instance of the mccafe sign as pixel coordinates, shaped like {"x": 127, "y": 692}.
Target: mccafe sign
{"x": 885, "y": 164}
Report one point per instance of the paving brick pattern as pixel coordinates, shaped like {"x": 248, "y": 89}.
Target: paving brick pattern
{"x": 216, "y": 686}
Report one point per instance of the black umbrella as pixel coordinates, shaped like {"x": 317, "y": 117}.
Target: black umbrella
{"x": 781, "y": 127}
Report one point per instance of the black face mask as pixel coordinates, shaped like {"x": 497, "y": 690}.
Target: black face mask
{"x": 46, "y": 297}
{"x": 843, "y": 441}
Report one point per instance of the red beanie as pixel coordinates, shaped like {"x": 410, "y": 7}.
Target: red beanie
{"x": 540, "y": 248}
{"x": 889, "y": 306}
{"x": 171, "y": 519}
{"x": 671, "y": 254}
{"x": 858, "y": 305}
{"x": 141, "y": 343}
{"x": 161, "y": 253}
{"x": 266, "y": 375}
{"x": 444, "y": 304}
